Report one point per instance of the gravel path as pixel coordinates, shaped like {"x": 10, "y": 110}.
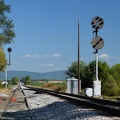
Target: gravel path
{"x": 47, "y": 107}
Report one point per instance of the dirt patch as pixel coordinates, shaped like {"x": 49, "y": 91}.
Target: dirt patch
{"x": 4, "y": 98}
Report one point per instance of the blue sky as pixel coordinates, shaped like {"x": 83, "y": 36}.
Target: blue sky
{"x": 47, "y": 33}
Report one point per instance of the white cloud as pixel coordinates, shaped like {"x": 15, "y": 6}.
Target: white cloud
{"x": 30, "y": 56}
{"x": 107, "y": 57}
{"x": 41, "y": 56}
{"x": 48, "y": 65}
{"x": 104, "y": 57}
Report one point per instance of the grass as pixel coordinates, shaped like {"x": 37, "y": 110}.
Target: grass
{"x": 52, "y": 86}
{"x": 5, "y": 91}
{"x": 113, "y": 98}
{"x": 37, "y": 84}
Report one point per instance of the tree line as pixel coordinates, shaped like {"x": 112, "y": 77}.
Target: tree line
{"x": 109, "y": 76}
{"x": 15, "y": 80}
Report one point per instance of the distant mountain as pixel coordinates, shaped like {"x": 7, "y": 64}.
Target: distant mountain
{"x": 55, "y": 75}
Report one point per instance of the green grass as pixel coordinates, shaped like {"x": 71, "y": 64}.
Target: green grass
{"x": 113, "y": 98}
{"x": 37, "y": 84}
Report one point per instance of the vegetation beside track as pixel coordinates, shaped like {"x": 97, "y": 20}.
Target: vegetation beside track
{"x": 57, "y": 86}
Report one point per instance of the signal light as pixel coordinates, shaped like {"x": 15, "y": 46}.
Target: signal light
{"x": 96, "y": 18}
{"x": 97, "y": 22}
{"x": 93, "y": 26}
{"x": 97, "y": 27}
{"x": 99, "y": 19}
{"x": 101, "y": 23}
{"x": 92, "y": 23}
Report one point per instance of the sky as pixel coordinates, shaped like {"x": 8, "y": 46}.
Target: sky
{"x": 47, "y": 33}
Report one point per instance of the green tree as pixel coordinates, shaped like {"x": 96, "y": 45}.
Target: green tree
{"x": 103, "y": 70}
{"x": 72, "y": 70}
{"x": 23, "y": 80}
{"x": 115, "y": 72}
{"x": 15, "y": 80}
{"x": 6, "y": 31}
{"x": 27, "y": 80}
{"x": 3, "y": 60}
{"x": 6, "y": 24}
{"x": 90, "y": 72}
{"x": 109, "y": 87}
{"x": 1, "y": 84}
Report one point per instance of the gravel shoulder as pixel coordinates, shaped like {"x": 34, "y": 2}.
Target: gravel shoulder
{"x": 47, "y": 107}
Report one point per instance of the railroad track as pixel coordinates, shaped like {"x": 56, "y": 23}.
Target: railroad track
{"x": 110, "y": 107}
{"x": 17, "y": 107}
{"x": 31, "y": 105}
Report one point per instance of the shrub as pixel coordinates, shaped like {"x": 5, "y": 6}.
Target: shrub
{"x": 110, "y": 87}
{"x": 1, "y": 84}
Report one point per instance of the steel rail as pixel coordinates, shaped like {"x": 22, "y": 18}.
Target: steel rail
{"x": 26, "y": 102}
{"x": 2, "y": 115}
{"x": 103, "y": 101}
{"x": 28, "y": 106}
{"x": 99, "y": 104}
{"x": 111, "y": 111}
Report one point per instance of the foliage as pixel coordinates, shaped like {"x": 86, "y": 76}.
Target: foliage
{"x": 103, "y": 70}
{"x": 90, "y": 73}
{"x": 38, "y": 84}
{"x": 6, "y": 31}
{"x": 55, "y": 86}
{"x": 115, "y": 71}
{"x": 109, "y": 77}
{"x": 6, "y": 24}
{"x": 1, "y": 84}
{"x": 3, "y": 60}
{"x": 73, "y": 69}
{"x": 26, "y": 80}
{"x": 15, "y": 81}
{"x": 52, "y": 86}
{"x": 110, "y": 87}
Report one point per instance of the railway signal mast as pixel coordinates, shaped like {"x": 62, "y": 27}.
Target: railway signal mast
{"x": 97, "y": 43}
{"x": 9, "y": 63}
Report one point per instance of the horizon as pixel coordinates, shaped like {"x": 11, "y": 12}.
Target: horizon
{"x": 36, "y": 72}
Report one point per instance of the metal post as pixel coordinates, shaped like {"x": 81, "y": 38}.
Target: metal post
{"x": 96, "y": 56}
{"x": 6, "y": 77}
{"x": 97, "y": 43}
{"x": 79, "y": 87}
{"x": 9, "y": 50}
{"x": 9, "y": 58}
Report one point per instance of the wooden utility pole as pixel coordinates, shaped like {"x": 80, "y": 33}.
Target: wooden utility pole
{"x": 79, "y": 89}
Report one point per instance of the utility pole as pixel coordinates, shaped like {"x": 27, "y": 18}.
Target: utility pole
{"x": 79, "y": 84}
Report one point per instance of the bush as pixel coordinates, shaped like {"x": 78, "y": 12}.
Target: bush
{"x": 47, "y": 85}
{"x": 55, "y": 86}
{"x": 110, "y": 87}
{"x": 1, "y": 84}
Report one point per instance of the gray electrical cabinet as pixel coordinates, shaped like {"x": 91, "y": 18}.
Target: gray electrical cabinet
{"x": 72, "y": 86}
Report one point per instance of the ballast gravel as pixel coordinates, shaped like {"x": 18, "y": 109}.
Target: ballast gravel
{"x": 47, "y": 107}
